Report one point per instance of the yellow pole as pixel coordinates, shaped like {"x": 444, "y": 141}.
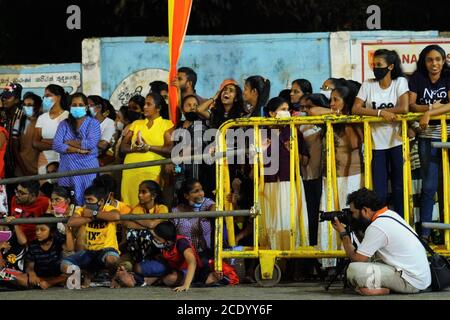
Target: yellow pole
{"x": 219, "y": 203}
{"x": 291, "y": 188}
{"x": 445, "y": 173}
{"x": 298, "y": 181}
{"x": 367, "y": 155}
{"x": 333, "y": 173}
{"x": 405, "y": 153}
{"x": 229, "y": 221}
{"x": 329, "y": 194}
{"x": 258, "y": 179}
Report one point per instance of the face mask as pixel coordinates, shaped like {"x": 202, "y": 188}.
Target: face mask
{"x": 158, "y": 245}
{"x": 92, "y": 206}
{"x": 133, "y": 115}
{"x": 61, "y": 208}
{"x": 47, "y": 104}
{"x": 5, "y": 235}
{"x": 303, "y": 113}
{"x": 119, "y": 126}
{"x": 326, "y": 93}
{"x": 78, "y": 112}
{"x": 283, "y": 114}
{"x": 198, "y": 204}
{"x": 380, "y": 73}
{"x": 92, "y": 110}
{"x": 191, "y": 116}
{"x": 28, "y": 111}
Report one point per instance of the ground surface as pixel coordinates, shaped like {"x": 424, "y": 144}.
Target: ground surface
{"x": 283, "y": 291}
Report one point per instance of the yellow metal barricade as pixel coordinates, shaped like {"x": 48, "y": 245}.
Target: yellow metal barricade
{"x": 267, "y": 257}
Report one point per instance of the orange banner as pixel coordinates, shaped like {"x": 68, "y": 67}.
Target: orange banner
{"x": 179, "y": 11}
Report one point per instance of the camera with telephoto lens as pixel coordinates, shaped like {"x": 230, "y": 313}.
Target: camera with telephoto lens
{"x": 343, "y": 216}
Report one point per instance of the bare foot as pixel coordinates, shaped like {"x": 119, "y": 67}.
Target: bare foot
{"x": 150, "y": 280}
{"x": 114, "y": 284}
{"x": 372, "y": 292}
{"x": 44, "y": 284}
{"x": 86, "y": 282}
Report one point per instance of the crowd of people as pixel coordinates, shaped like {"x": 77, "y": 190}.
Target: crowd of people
{"x": 62, "y": 132}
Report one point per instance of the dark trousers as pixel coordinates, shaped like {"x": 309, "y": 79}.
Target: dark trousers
{"x": 313, "y": 193}
{"x": 431, "y": 174}
{"x": 388, "y": 164}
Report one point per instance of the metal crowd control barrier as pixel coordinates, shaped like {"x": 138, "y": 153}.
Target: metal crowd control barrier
{"x": 133, "y": 217}
{"x": 120, "y": 167}
{"x": 267, "y": 258}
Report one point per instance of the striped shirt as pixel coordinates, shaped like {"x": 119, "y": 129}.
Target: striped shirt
{"x": 89, "y": 134}
{"x": 46, "y": 263}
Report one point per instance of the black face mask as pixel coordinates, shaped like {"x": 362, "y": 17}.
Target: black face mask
{"x": 191, "y": 116}
{"x": 380, "y": 73}
{"x": 133, "y": 115}
{"x": 92, "y": 206}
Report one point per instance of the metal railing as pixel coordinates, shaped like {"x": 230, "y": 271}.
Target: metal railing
{"x": 267, "y": 257}
{"x": 139, "y": 216}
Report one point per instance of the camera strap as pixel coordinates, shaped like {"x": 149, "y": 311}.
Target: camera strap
{"x": 425, "y": 245}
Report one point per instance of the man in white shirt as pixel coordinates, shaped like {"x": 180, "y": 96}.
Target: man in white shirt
{"x": 401, "y": 260}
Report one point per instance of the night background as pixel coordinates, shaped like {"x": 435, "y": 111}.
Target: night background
{"x": 35, "y": 32}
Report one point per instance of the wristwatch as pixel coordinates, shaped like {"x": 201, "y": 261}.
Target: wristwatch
{"x": 343, "y": 234}
{"x": 94, "y": 214}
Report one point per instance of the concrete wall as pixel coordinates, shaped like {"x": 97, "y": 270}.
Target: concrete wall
{"x": 125, "y": 66}
{"x": 280, "y": 57}
{"x": 118, "y": 68}
{"x": 349, "y": 47}
{"x": 36, "y": 77}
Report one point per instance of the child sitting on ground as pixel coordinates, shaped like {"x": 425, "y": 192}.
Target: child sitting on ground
{"x": 184, "y": 264}
{"x": 43, "y": 258}
{"x": 101, "y": 245}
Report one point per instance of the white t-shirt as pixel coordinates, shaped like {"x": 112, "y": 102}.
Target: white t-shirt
{"x": 384, "y": 135}
{"x": 49, "y": 127}
{"x": 108, "y": 129}
{"x": 397, "y": 247}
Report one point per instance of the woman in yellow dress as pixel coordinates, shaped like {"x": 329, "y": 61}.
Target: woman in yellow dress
{"x": 147, "y": 140}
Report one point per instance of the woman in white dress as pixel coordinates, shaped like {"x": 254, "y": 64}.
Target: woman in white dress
{"x": 55, "y": 111}
{"x": 275, "y": 200}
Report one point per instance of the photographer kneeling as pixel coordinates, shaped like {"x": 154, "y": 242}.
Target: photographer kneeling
{"x": 402, "y": 264}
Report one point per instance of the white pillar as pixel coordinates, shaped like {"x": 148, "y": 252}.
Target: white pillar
{"x": 340, "y": 55}
{"x": 90, "y": 64}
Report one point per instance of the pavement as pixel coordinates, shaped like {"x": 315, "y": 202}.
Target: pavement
{"x": 283, "y": 291}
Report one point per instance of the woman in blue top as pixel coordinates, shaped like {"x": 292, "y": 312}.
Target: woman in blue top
{"x": 76, "y": 141}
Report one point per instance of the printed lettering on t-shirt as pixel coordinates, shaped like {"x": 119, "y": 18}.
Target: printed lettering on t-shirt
{"x": 98, "y": 225}
{"x": 430, "y": 95}
{"x": 92, "y": 236}
{"x": 382, "y": 106}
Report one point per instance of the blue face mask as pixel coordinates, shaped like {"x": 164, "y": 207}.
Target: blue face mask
{"x": 198, "y": 205}
{"x": 28, "y": 110}
{"x": 47, "y": 104}
{"x": 78, "y": 112}
{"x": 92, "y": 110}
